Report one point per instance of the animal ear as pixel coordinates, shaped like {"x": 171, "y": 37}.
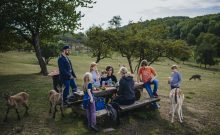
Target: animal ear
{"x": 63, "y": 87}
{"x": 58, "y": 87}
{"x": 5, "y": 95}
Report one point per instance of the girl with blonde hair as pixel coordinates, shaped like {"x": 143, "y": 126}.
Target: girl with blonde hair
{"x": 88, "y": 100}
{"x": 95, "y": 74}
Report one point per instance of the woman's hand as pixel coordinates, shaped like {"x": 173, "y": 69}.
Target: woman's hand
{"x": 91, "y": 100}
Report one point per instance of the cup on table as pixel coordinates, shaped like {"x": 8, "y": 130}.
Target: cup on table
{"x": 103, "y": 83}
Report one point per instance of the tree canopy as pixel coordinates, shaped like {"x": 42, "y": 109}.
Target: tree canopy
{"x": 34, "y": 20}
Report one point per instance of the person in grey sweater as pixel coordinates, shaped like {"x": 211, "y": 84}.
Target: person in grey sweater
{"x": 176, "y": 78}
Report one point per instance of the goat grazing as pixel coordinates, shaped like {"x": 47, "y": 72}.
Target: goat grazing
{"x": 16, "y": 101}
{"x": 195, "y": 77}
{"x": 55, "y": 99}
{"x": 177, "y": 97}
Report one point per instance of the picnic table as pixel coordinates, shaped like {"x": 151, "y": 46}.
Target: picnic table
{"x": 109, "y": 90}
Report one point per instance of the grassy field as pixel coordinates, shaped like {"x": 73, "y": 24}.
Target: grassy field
{"x": 201, "y": 109}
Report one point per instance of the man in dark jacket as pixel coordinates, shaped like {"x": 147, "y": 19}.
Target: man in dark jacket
{"x": 67, "y": 74}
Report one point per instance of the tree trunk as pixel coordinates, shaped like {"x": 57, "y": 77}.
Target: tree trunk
{"x": 130, "y": 65}
{"x": 36, "y": 44}
{"x": 47, "y": 61}
{"x": 97, "y": 59}
{"x": 138, "y": 65}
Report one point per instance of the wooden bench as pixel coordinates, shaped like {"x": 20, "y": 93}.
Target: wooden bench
{"x": 82, "y": 112}
{"x": 138, "y": 104}
{"x": 123, "y": 108}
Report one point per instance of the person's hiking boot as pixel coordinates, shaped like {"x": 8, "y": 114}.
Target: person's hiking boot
{"x": 155, "y": 95}
{"x": 94, "y": 128}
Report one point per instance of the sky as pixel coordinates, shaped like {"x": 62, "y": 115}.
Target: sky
{"x": 136, "y": 10}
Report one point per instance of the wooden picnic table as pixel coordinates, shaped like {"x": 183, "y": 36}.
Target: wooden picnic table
{"x": 109, "y": 90}
{"x": 77, "y": 108}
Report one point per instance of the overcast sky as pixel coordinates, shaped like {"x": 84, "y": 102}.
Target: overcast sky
{"x": 133, "y": 10}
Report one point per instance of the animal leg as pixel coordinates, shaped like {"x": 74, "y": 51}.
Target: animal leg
{"x": 55, "y": 110}
{"x": 50, "y": 108}
{"x": 27, "y": 108}
{"x": 6, "y": 115}
{"x": 19, "y": 118}
{"x": 61, "y": 109}
{"x": 173, "y": 111}
{"x": 171, "y": 108}
{"x": 179, "y": 113}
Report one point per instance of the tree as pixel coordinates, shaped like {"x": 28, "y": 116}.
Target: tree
{"x": 125, "y": 41}
{"x": 50, "y": 49}
{"x": 98, "y": 42}
{"x": 207, "y": 49}
{"x": 115, "y": 22}
{"x": 36, "y": 19}
{"x": 180, "y": 50}
{"x": 204, "y": 54}
{"x": 191, "y": 39}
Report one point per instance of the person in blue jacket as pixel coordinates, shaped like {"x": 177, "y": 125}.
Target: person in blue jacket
{"x": 67, "y": 74}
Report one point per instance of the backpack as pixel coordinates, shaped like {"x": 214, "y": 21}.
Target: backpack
{"x": 99, "y": 103}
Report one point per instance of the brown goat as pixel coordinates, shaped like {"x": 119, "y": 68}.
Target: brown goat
{"x": 16, "y": 101}
{"x": 55, "y": 99}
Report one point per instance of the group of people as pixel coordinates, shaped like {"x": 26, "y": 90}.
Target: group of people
{"x": 92, "y": 79}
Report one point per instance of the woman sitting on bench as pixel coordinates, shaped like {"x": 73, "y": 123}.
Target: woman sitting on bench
{"x": 125, "y": 94}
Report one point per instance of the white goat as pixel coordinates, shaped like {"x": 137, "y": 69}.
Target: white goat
{"x": 16, "y": 101}
{"x": 176, "y": 97}
{"x": 55, "y": 99}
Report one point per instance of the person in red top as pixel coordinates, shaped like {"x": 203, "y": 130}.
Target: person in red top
{"x": 147, "y": 75}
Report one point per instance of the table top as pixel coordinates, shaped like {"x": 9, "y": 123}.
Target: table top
{"x": 108, "y": 90}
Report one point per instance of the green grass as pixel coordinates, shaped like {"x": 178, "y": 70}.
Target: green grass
{"x": 201, "y": 109}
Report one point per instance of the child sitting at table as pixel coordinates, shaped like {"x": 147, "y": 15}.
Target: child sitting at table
{"x": 88, "y": 101}
{"x": 103, "y": 78}
{"x": 111, "y": 78}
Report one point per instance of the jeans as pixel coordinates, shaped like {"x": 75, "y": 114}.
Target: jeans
{"x": 67, "y": 84}
{"x": 147, "y": 85}
{"x": 91, "y": 114}
{"x": 151, "y": 93}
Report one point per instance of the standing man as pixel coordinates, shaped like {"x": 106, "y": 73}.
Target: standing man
{"x": 67, "y": 74}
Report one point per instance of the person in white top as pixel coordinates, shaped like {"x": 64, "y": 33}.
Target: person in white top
{"x": 95, "y": 74}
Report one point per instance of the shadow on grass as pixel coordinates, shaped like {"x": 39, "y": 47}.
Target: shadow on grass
{"x": 36, "y": 86}
{"x": 147, "y": 121}
{"x": 140, "y": 121}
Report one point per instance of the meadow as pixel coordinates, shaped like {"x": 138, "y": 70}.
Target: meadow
{"x": 19, "y": 72}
